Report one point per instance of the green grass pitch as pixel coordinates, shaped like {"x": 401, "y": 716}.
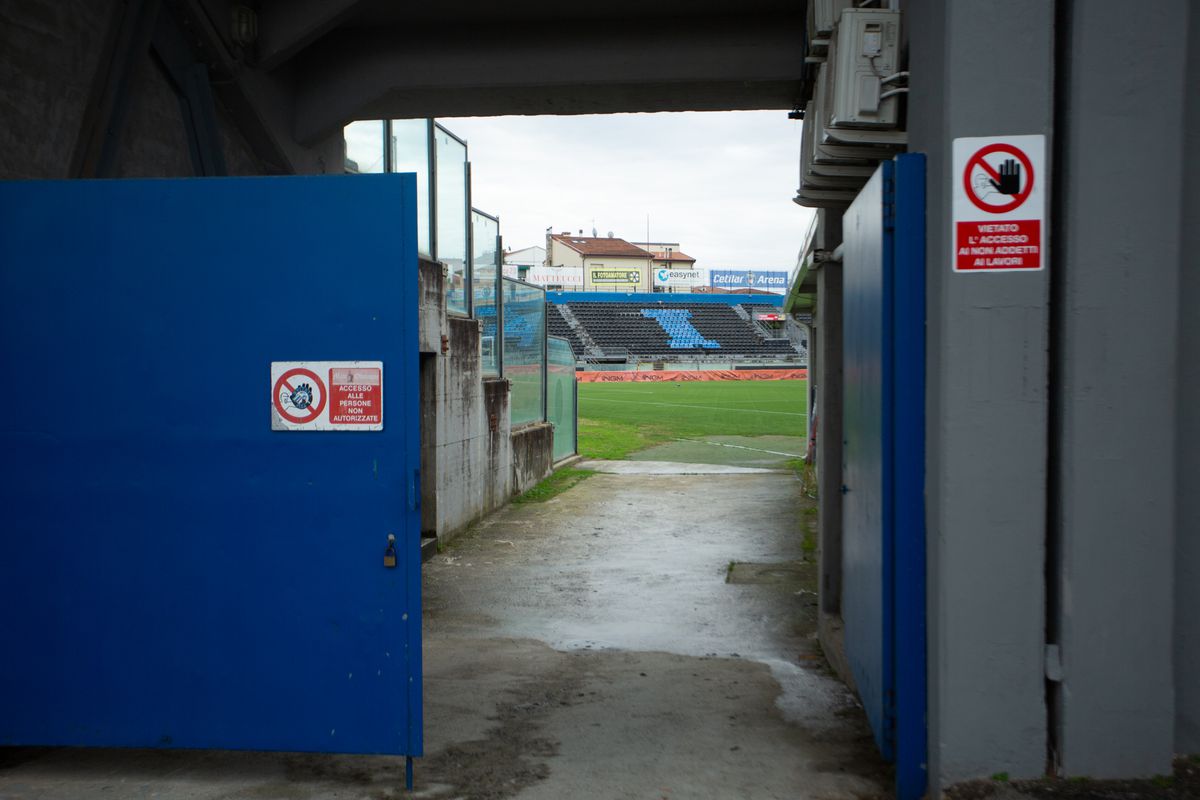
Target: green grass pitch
{"x": 616, "y": 419}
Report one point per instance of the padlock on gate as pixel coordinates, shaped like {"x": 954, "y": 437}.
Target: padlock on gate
{"x": 389, "y": 555}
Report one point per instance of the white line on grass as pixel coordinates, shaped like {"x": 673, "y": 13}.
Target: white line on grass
{"x": 686, "y": 405}
{"x": 742, "y": 447}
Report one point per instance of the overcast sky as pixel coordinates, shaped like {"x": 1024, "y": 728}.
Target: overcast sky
{"x": 720, "y": 184}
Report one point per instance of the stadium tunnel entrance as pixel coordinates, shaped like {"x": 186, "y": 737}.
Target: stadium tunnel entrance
{"x": 1027, "y": 531}
{"x": 275, "y": 100}
{"x": 660, "y": 565}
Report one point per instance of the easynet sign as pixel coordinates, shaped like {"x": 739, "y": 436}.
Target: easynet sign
{"x": 734, "y": 279}
{"x": 677, "y": 277}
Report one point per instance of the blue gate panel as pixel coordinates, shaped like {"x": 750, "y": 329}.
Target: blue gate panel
{"x": 175, "y": 573}
{"x": 908, "y": 460}
{"x": 866, "y": 588}
{"x": 883, "y": 600}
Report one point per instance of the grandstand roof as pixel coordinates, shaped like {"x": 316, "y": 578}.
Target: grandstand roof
{"x": 600, "y": 246}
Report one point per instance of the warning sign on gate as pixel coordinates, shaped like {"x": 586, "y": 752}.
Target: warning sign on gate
{"x": 327, "y": 395}
{"x": 356, "y": 396}
{"x": 999, "y": 203}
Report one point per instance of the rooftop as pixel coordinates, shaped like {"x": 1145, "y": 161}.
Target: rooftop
{"x": 672, "y": 255}
{"x": 600, "y": 246}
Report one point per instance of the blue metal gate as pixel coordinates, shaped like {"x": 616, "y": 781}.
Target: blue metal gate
{"x": 883, "y": 600}
{"x": 175, "y": 573}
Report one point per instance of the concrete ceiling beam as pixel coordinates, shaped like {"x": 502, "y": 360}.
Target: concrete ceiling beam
{"x": 285, "y": 27}
{"x": 701, "y": 64}
{"x": 259, "y": 103}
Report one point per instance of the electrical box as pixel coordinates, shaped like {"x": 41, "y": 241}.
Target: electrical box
{"x": 823, "y": 16}
{"x": 846, "y": 145}
{"x": 865, "y": 57}
{"x": 851, "y": 123}
{"x": 821, "y": 190}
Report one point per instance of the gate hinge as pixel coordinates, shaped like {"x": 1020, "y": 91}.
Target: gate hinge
{"x": 1054, "y": 667}
{"x": 889, "y": 204}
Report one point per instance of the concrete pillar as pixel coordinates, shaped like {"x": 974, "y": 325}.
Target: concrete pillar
{"x": 827, "y": 351}
{"x": 1123, "y": 91}
{"x": 1187, "y": 546}
{"x": 979, "y": 68}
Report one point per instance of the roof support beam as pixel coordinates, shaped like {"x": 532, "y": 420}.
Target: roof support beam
{"x": 287, "y": 26}
{"x": 99, "y": 136}
{"x": 702, "y": 64}
{"x": 260, "y": 104}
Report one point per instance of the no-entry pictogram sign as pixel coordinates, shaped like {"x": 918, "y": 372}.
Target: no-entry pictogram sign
{"x": 998, "y": 178}
{"x": 299, "y": 396}
{"x": 327, "y": 395}
{"x": 999, "y": 204}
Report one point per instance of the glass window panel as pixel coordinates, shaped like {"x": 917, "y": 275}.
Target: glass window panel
{"x": 560, "y": 395}
{"x": 524, "y": 316}
{"x": 410, "y": 153}
{"x": 364, "y": 146}
{"x": 484, "y": 239}
{"x": 451, "y": 164}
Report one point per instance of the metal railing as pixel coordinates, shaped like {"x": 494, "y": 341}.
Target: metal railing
{"x": 440, "y": 161}
{"x": 523, "y": 322}
{"x": 467, "y": 242}
{"x": 562, "y": 400}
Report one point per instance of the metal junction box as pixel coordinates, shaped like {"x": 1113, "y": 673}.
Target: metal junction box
{"x": 823, "y": 17}
{"x": 865, "y": 59}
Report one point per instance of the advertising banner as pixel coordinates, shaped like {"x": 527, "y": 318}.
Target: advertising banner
{"x": 686, "y": 278}
{"x": 684, "y": 376}
{"x": 745, "y": 279}
{"x": 616, "y": 278}
{"x": 556, "y": 276}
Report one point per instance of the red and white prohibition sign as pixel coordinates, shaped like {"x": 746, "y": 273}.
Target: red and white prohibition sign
{"x": 992, "y": 170}
{"x": 999, "y": 204}
{"x": 299, "y": 396}
{"x": 327, "y": 395}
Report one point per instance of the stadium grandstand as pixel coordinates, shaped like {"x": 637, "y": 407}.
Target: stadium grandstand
{"x": 607, "y": 328}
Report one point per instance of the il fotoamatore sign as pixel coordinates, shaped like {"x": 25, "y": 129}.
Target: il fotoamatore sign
{"x": 555, "y": 276}
{"x": 999, "y": 204}
{"x": 615, "y": 277}
{"x": 686, "y": 278}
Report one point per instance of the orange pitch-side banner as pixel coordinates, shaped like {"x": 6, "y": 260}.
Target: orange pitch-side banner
{"x": 694, "y": 375}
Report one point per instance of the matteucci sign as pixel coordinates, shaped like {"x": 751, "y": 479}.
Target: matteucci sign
{"x": 999, "y": 190}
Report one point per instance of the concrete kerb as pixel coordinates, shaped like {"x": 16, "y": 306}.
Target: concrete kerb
{"x": 568, "y": 461}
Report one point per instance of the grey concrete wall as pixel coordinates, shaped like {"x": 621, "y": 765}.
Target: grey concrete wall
{"x": 154, "y": 141}
{"x": 51, "y": 50}
{"x": 154, "y": 138}
{"x": 532, "y": 455}
{"x": 53, "y": 53}
{"x": 473, "y": 461}
{"x": 469, "y": 458}
{"x": 827, "y": 354}
{"x": 983, "y": 67}
{"x": 1119, "y": 207}
{"x": 1187, "y": 545}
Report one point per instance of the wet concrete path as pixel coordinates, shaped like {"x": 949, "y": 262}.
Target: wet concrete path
{"x": 640, "y": 636}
